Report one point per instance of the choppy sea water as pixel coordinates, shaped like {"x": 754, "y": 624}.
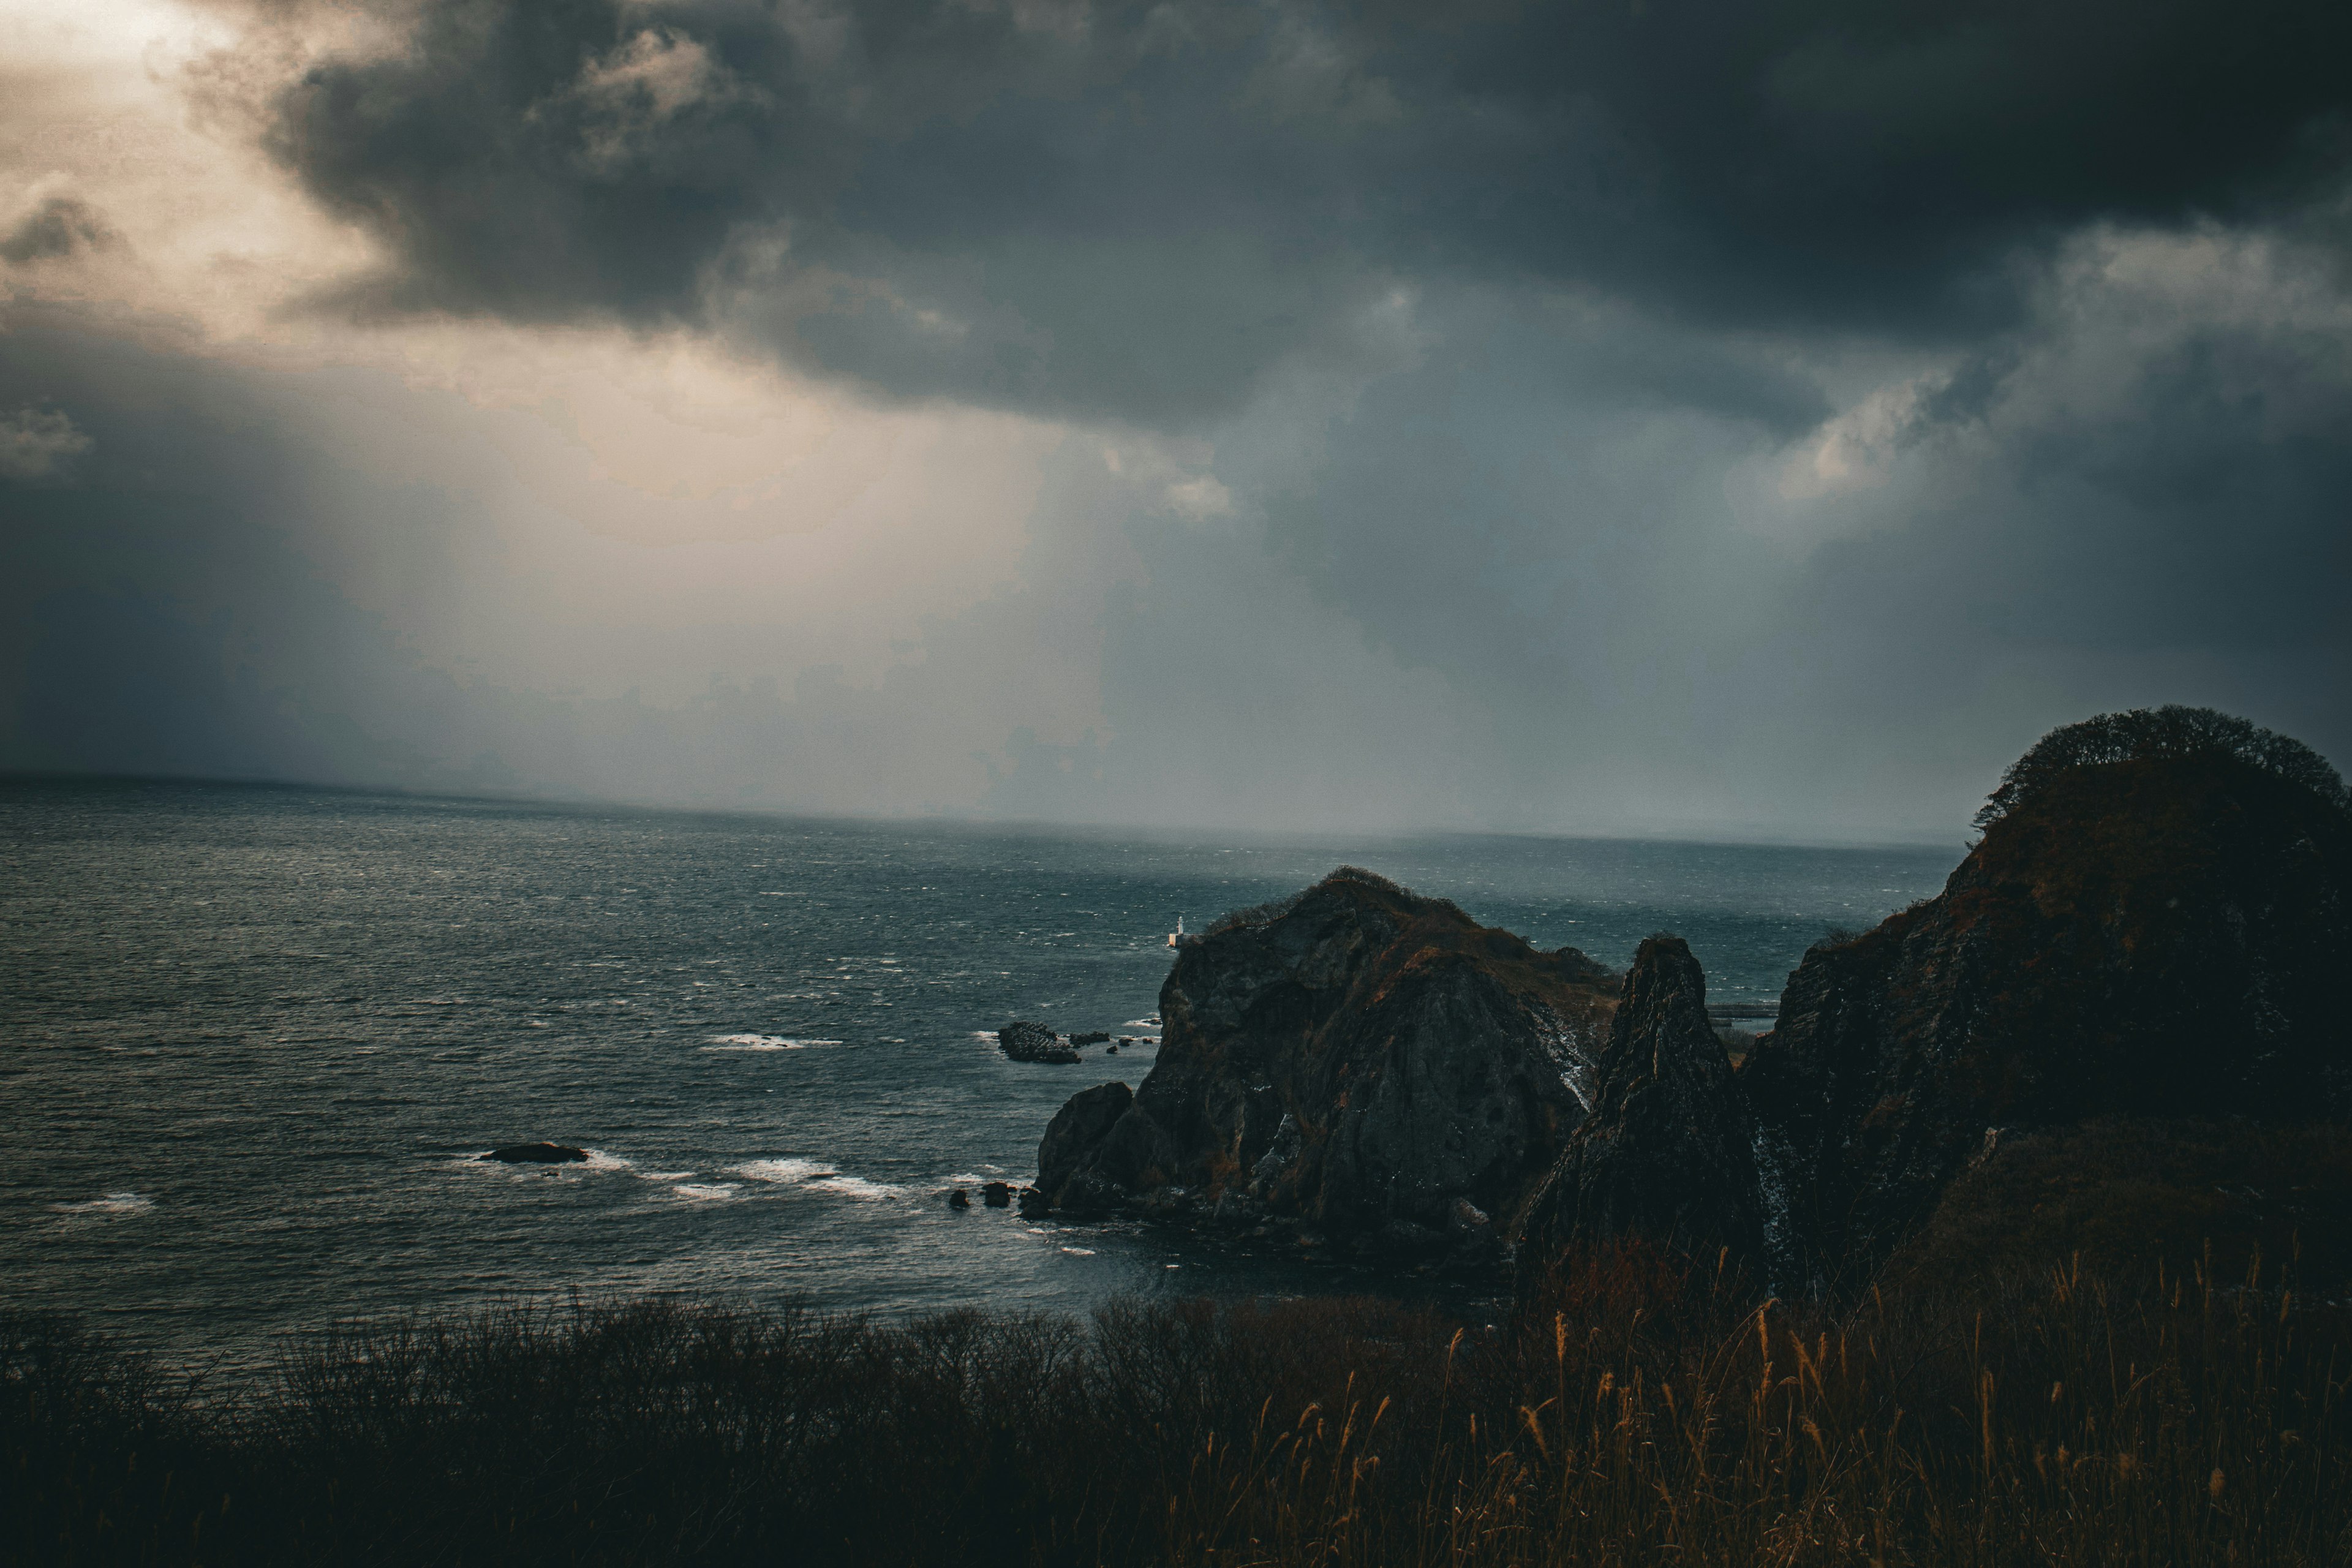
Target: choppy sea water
{"x": 253, "y": 1038}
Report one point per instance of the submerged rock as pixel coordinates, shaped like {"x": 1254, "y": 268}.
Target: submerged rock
{"x": 536, "y": 1155}
{"x": 1356, "y": 1058}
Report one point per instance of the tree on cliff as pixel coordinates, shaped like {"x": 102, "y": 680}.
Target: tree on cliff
{"x": 2144, "y": 734}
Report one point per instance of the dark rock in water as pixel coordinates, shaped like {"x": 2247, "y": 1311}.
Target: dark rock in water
{"x": 1089, "y": 1195}
{"x": 1035, "y": 1204}
{"x": 1082, "y": 1123}
{"x": 959, "y": 1199}
{"x": 1027, "y": 1042}
{"x": 1668, "y": 1151}
{"x": 2154, "y": 925}
{"x": 1237, "y": 1208}
{"x": 1097, "y": 1039}
{"x": 996, "y": 1194}
{"x": 1404, "y": 1238}
{"x": 1353, "y": 1057}
{"x": 536, "y": 1155}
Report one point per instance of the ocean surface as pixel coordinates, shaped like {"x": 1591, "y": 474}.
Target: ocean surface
{"x": 253, "y": 1038}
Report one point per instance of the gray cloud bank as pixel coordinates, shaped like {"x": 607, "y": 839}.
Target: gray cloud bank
{"x": 1675, "y": 418}
{"x": 1138, "y": 209}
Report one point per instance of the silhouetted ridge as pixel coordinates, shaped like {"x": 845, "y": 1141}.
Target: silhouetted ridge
{"x": 2155, "y": 925}
{"x": 2146, "y": 734}
{"x": 1275, "y": 909}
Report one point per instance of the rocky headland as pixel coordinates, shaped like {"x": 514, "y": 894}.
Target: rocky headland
{"x": 1362, "y": 1063}
{"x": 2153, "y": 930}
{"x": 2155, "y": 926}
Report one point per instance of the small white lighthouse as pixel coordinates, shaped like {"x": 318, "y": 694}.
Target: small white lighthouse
{"x": 1176, "y": 937}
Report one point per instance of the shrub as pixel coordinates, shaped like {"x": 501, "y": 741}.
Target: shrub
{"x": 1636, "y": 1410}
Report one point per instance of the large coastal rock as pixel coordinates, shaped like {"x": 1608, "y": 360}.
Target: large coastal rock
{"x": 1357, "y": 1059}
{"x": 541, "y": 1153}
{"x": 2155, "y": 928}
{"x": 2163, "y": 937}
{"x": 1027, "y": 1042}
{"x": 1668, "y": 1151}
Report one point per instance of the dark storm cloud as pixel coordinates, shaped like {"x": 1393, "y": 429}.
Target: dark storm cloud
{"x": 61, "y": 227}
{"x": 1137, "y": 210}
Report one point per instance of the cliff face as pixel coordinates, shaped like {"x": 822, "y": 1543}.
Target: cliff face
{"x": 1667, "y": 1152}
{"x": 2153, "y": 938}
{"x": 1360, "y": 1059}
{"x": 2159, "y": 938}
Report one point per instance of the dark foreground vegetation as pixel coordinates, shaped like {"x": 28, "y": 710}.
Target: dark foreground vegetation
{"x": 1637, "y": 1410}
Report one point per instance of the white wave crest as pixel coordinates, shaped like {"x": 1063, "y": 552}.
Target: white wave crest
{"x": 818, "y": 1177}
{"x": 761, "y": 1043}
{"x": 711, "y": 1192}
{"x": 856, "y": 1187}
{"x": 109, "y": 1203}
{"x": 782, "y": 1170}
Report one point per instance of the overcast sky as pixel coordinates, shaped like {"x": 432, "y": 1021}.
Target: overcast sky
{"x": 1665, "y": 418}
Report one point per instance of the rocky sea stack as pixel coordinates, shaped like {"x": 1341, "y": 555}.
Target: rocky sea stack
{"x": 2155, "y": 925}
{"x": 1368, "y": 1064}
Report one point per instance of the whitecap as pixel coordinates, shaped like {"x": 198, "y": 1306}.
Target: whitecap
{"x": 761, "y": 1043}
{"x": 752, "y": 1043}
{"x": 856, "y": 1187}
{"x": 782, "y": 1170}
{"x": 597, "y": 1160}
{"x": 1079, "y": 1251}
{"x": 707, "y": 1192}
{"x": 812, "y": 1175}
{"x": 665, "y": 1175}
{"x": 109, "y": 1203}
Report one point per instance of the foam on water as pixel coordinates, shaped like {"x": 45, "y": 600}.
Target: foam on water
{"x": 817, "y": 1178}
{"x": 718, "y": 1192}
{"x": 110, "y": 1203}
{"x": 856, "y": 1187}
{"x": 782, "y": 1170}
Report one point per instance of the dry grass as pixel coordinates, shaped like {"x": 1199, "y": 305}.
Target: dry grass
{"x": 1634, "y": 1412}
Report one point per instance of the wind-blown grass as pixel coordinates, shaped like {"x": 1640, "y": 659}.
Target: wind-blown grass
{"x": 1636, "y": 1410}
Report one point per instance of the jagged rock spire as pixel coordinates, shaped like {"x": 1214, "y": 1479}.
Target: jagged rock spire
{"x": 1667, "y": 1152}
